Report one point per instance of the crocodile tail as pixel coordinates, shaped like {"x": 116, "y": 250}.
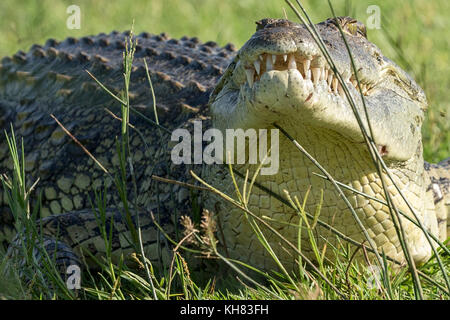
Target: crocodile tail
{"x": 440, "y": 187}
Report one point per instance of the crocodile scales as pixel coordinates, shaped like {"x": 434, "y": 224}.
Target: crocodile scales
{"x": 278, "y": 76}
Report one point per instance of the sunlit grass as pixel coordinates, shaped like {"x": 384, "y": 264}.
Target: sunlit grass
{"x": 119, "y": 282}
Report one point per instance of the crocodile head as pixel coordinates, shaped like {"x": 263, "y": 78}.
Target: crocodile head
{"x": 280, "y": 74}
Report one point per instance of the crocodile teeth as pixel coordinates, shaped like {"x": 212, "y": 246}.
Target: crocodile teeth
{"x": 306, "y": 72}
{"x": 364, "y": 88}
{"x": 250, "y": 74}
{"x": 308, "y": 75}
{"x": 292, "y": 64}
{"x": 341, "y": 91}
{"x": 323, "y": 74}
{"x": 335, "y": 85}
{"x": 330, "y": 79}
{"x": 306, "y": 65}
{"x": 346, "y": 76}
{"x": 269, "y": 65}
{"x": 257, "y": 66}
{"x": 316, "y": 72}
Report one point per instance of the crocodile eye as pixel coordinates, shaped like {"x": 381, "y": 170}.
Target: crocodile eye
{"x": 272, "y": 23}
{"x": 359, "y": 29}
{"x": 350, "y": 25}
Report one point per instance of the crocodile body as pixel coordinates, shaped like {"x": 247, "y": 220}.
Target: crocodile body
{"x": 51, "y": 79}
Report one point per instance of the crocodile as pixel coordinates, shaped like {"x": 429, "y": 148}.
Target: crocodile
{"x": 278, "y": 79}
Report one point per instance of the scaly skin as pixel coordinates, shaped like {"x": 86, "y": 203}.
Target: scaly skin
{"x": 51, "y": 80}
{"x": 280, "y": 76}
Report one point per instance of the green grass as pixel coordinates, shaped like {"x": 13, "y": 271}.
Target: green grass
{"x": 418, "y": 34}
{"x": 342, "y": 278}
